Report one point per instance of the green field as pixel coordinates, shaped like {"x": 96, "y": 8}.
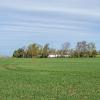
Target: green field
{"x": 50, "y": 79}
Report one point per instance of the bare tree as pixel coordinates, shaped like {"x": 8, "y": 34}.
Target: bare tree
{"x": 92, "y": 49}
{"x": 65, "y": 48}
{"x": 84, "y": 49}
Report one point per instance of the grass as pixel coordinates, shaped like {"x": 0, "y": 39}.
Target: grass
{"x": 50, "y": 79}
{"x": 98, "y": 56}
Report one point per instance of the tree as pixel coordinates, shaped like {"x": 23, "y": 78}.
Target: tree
{"x": 84, "y": 49}
{"x": 45, "y": 51}
{"x": 81, "y": 49}
{"x": 52, "y": 51}
{"x": 33, "y": 50}
{"x": 19, "y": 53}
{"x": 65, "y": 48}
{"x": 92, "y": 49}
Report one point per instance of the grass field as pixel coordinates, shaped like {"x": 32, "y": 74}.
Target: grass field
{"x": 50, "y": 79}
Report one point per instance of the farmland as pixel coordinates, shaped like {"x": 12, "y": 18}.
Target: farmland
{"x": 50, "y": 79}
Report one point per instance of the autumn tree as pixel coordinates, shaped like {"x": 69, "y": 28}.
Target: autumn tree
{"x": 45, "y": 51}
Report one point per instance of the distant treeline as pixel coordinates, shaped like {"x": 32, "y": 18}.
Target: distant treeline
{"x": 82, "y": 49}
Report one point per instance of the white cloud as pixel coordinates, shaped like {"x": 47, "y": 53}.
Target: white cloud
{"x": 87, "y": 8}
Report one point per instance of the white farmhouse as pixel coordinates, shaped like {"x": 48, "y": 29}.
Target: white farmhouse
{"x": 52, "y": 56}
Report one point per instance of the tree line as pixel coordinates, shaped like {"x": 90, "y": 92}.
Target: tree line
{"x": 82, "y": 49}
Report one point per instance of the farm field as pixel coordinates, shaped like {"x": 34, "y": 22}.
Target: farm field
{"x": 50, "y": 79}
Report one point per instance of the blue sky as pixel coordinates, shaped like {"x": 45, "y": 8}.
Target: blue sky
{"x": 48, "y": 21}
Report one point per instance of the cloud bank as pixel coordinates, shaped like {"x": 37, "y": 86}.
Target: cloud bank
{"x": 52, "y": 21}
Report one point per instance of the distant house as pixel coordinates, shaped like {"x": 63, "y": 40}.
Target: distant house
{"x": 58, "y": 56}
{"x": 52, "y": 56}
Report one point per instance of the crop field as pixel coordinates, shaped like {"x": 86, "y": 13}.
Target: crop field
{"x": 50, "y": 79}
